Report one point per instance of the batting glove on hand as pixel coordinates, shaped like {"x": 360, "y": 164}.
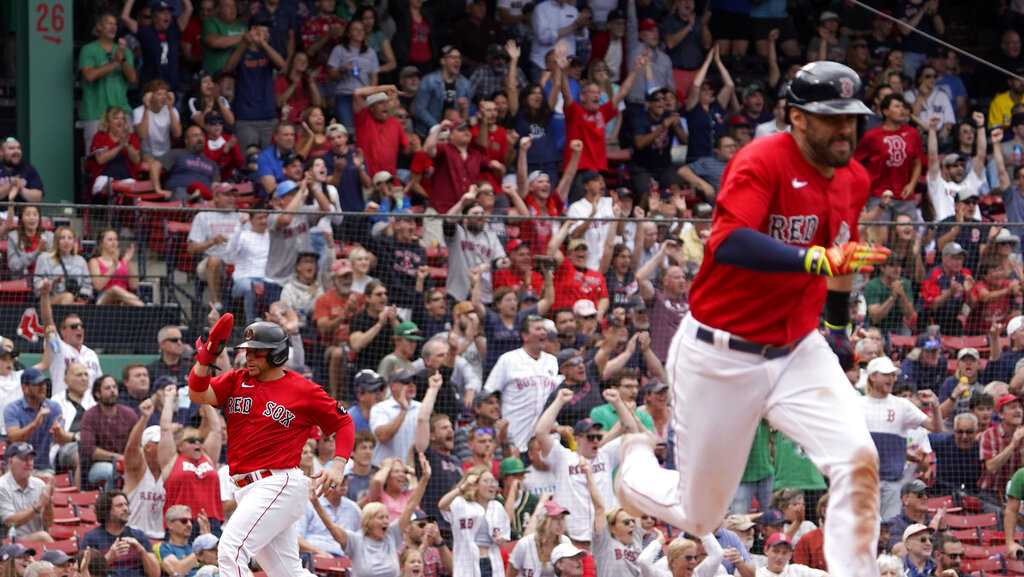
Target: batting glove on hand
{"x": 208, "y": 351}
{"x": 839, "y": 341}
{"x": 849, "y": 257}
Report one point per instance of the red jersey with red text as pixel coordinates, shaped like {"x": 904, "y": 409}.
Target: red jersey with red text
{"x": 194, "y": 483}
{"x": 769, "y": 187}
{"x": 269, "y": 421}
{"x": 589, "y": 127}
{"x": 888, "y": 156}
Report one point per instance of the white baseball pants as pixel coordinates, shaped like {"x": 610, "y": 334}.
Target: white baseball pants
{"x": 720, "y": 395}
{"x": 263, "y": 526}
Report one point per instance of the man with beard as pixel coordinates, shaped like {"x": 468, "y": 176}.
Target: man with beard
{"x": 19, "y": 180}
{"x": 470, "y": 245}
{"x": 104, "y": 433}
{"x": 435, "y": 438}
{"x": 188, "y": 167}
{"x": 122, "y": 547}
{"x": 755, "y": 308}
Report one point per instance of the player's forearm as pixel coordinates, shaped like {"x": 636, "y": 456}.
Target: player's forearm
{"x": 750, "y": 249}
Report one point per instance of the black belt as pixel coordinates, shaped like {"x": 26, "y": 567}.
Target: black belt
{"x": 737, "y": 344}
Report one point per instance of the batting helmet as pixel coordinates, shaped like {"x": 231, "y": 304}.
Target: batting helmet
{"x": 826, "y": 87}
{"x": 269, "y": 336}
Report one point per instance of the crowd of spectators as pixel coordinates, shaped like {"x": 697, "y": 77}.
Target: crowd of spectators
{"x": 492, "y": 364}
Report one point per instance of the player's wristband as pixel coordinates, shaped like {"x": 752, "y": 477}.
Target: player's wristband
{"x": 197, "y": 383}
{"x": 816, "y": 261}
{"x": 837, "y": 310}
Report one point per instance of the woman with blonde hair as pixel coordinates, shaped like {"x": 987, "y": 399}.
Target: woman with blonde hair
{"x": 683, "y": 558}
{"x": 115, "y": 276}
{"x": 374, "y": 549}
{"x": 115, "y": 153}
{"x": 482, "y": 525}
{"x": 362, "y": 261}
{"x": 65, "y": 273}
{"x": 532, "y": 554}
{"x": 618, "y": 537}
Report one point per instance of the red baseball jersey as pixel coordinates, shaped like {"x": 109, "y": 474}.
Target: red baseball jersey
{"x": 269, "y": 421}
{"x": 771, "y": 188}
{"x": 888, "y": 156}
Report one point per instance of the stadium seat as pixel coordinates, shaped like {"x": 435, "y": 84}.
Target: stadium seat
{"x": 331, "y": 565}
{"x": 902, "y": 341}
{"x": 967, "y": 536}
{"x": 983, "y": 552}
{"x": 971, "y": 521}
{"x": 83, "y": 498}
{"x": 973, "y": 565}
{"x": 15, "y": 291}
{"x": 1015, "y": 566}
{"x": 936, "y": 503}
{"x": 994, "y": 536}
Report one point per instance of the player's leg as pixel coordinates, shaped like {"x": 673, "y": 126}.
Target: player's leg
{"x": 265, "y": 509}
{"x": 280, "y": 557}
{"x": 813, "y": 404}
{"x": 718, "y": 397}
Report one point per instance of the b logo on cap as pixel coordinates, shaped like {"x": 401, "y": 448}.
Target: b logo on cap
{"x": 250, "y": 334}
{"x": 845, "y": 87}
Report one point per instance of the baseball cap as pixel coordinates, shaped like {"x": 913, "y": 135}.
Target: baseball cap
{"x": 367, "y": 380}
{"x": 1014, "y": 325}
{"x": 534, "y": 176}
{"x": 164, "y": 380}
{"x": 586, "y": 425}
{"x": 929, "y": 343}
{"x": 19, "y": 449}
{"x": 419, "y": 515}
{"x": 553, "y": 509}
{"x": 616, "y": 14}
{"x": 578, "y": 243}
{"x": 915, "y": 487}
{"x": 914, "y": 530}
{"x": 738, "y": 523}
{"x": 511, "y": 466}
{"x": 341, "y": 266}
{"x": 204, "y": 542}
{"x": 753, "y": 88}
{"x": 967, "y": 352}
{"x": 738, "y": 120}
{"x": 514, "y": 244}
{"x": 828, "y": 15}
{"x": 1005, "y": 400}
{"x": 648, "y": 24}
{"x": 409, "y": 71}
{"x": 484, "y": 396}
{"x": 778, "y": 539}
{"x": 564, "y": 551}
{"x": 336, "y": 128}
{"x": 636, "y": 302}
{"x": 584, "y": 308}
{"x": 33, "y": 376}
{"x": 14, "y": 551}
{"x": 158, "y": 5}
{"x": 408, "y": 330}
{"x": 55, "y": 556}
{"x": 403, "y": 376}
{"x": 285, "y": 187}
{"x": 1005, "y": 236}
{"x": 151, "y": 435}
{"x": 882, "y": 365}
{"x": 655, "y": 387}
{"x": 966, "y": 194}
{"x": 527, "y": 295}
{"x": 376, "y": 98}
{"x": 771, "y": 517}
{"x": 952, "y": 249}
{"x": 952, "y": 158}
{"x": 566, "y": 355}
{"x": 381, "y": 177}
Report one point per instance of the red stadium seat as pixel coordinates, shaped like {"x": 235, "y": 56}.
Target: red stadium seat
{"x": 331, "y": 565}
{"x": 60, "y": 532}
{"x": 1015, "y": 566}
{"x": 974, "y": 565}
{"x": 971, "y": 521}
{"x": 967, "y": 536}
{"x": 16, "y": 291}
{"x": 936, "y": 503}
{"x": 83, "y": 498}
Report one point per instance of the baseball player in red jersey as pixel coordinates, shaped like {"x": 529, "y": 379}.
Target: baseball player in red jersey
{"x": 784, "y": 232}
{"x": 270, "y": 413}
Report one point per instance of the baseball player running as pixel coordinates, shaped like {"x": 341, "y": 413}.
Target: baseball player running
{"x": 270, "y": 412}
{"x": 784, "y": 234}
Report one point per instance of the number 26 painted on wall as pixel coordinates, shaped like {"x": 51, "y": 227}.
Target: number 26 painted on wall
{"x": 50, "y": 21}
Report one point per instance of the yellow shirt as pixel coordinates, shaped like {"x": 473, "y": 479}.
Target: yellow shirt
{"x": 1001, "y": 109}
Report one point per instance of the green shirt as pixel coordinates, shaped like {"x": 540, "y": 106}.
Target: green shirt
{"x": 109, "y": 91}
{"x": 606, "y": 415}
{"x": 1016, "y": 487}
{"x": 759, "y": 461}
{"x": 793, "y": 470}
{"x": 876, "y": 293}
{"x": 214, "y": 59}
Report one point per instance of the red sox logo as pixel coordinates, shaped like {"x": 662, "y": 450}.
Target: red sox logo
{"x": 845, "y": 88}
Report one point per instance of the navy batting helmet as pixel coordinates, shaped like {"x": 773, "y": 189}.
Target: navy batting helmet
{"x": 268, "y": 336}
{"x": 826, "y": 87}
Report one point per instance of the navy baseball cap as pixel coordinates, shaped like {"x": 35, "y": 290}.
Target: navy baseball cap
{"x": 158, "y": 5}
{"x": 33, "y": 376}
{"x": 771, "y": 517}
{"x": 929, "y": 343}
{"x": 584, "y": 426}
{"x": 14, "y": 551}
{"x": 19, "y": 449}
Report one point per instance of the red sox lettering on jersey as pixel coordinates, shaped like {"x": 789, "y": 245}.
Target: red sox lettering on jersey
{"x": 279, "y": 413}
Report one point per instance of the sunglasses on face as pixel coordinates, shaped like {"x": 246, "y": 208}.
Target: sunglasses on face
{"x": 173, "y": 339}
{"x": 691, "y": 558}
{"x": 483, "y": 431}
{"x": 73, "y": 326}
{"x": 193, "y": 440}
{"x": 595, "y": 438}
{"x": 966, "y": 431}
{"x": 182, "y": 521}
{"x": 955, "y": 555}
{"x": 422, "y": 524}
{"x": 628, "y": 522}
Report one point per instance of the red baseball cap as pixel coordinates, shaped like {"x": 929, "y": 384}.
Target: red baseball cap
{"x": 1006, "y": 400}
{"x": 777, "y": 538}
{"x": 648, "y": 24}
{"x": 513, "y": 244}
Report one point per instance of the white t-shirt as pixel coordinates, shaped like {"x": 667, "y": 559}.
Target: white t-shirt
{"x": 572, "y": 492}
{"x": 158, "y": 141}
{"x": 539, "y": 482}
{"x": 768, "y": 128}
{"x": 937, "y": 104}
{"x": 792, "y": 570}
{"x": 943, "y": 193}
{"x": 248, "y": 251}
{"x": 383, "y": 413}
{"x": 525, "y": 559}
{"x": 596, "y": 233}
{"x": 65, "y": 354}
{"x": 207, "y": 225}
{"x": 524, "y": 383}
{"x": 10, "y": 391}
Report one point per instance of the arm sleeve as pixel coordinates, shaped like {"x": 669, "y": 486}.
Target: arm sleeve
{"x": 496, "y": 380}
{"x": 709, "y": 566}
{"x": 748, "y": 248}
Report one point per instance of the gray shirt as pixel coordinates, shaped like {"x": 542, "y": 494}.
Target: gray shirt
{"x": 286, "y": 243}
{"x": 19, "y": 259}
{"x": 615, "y": 559}
{"x": 14, "y": 498}
{"x": 465, "y": 251}
{"x": 49, "y": 267}
{"x": 372, "y": 558}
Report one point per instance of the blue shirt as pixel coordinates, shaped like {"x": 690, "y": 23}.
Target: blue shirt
{"x": 128, "y": 566}
{"x": 998, "y": 370}
{"x": 254, "y": 88}
{"x": 179, "y": 552}
{"x": 956, "y": 469}
{"x": 350, "y": 190}
{"x": 20, "y": 414}
{"x": 268, "y": 163}
{"x": 358, "y": 419}
{"x": 1013, "y": 201}
{"x": 704, "y": 125}
{"x": 726, "y": 539}
{"x": 911, "y": 571}
{"x": 161, "y": 54}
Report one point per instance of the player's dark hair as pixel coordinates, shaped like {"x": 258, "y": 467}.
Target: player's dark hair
{"x": 888, "y": 100}
{"x": 99, "y": 382}
{"x": 981, "y": 400}
{"x": 625, "y": 374}
{"x": 365, "y": 437}
{"x": 104, "y": 503}
{"x": 1016, "y": 171}
{"x": 719, "y": 137}
{"x": 920, "y": 73}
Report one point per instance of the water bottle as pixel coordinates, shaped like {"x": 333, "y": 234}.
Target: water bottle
{"x": 967, "y": 393}
{"x": 1017, "y": 153}
{"x": 12, "y": 534}
{"x": 355, "y": 70}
